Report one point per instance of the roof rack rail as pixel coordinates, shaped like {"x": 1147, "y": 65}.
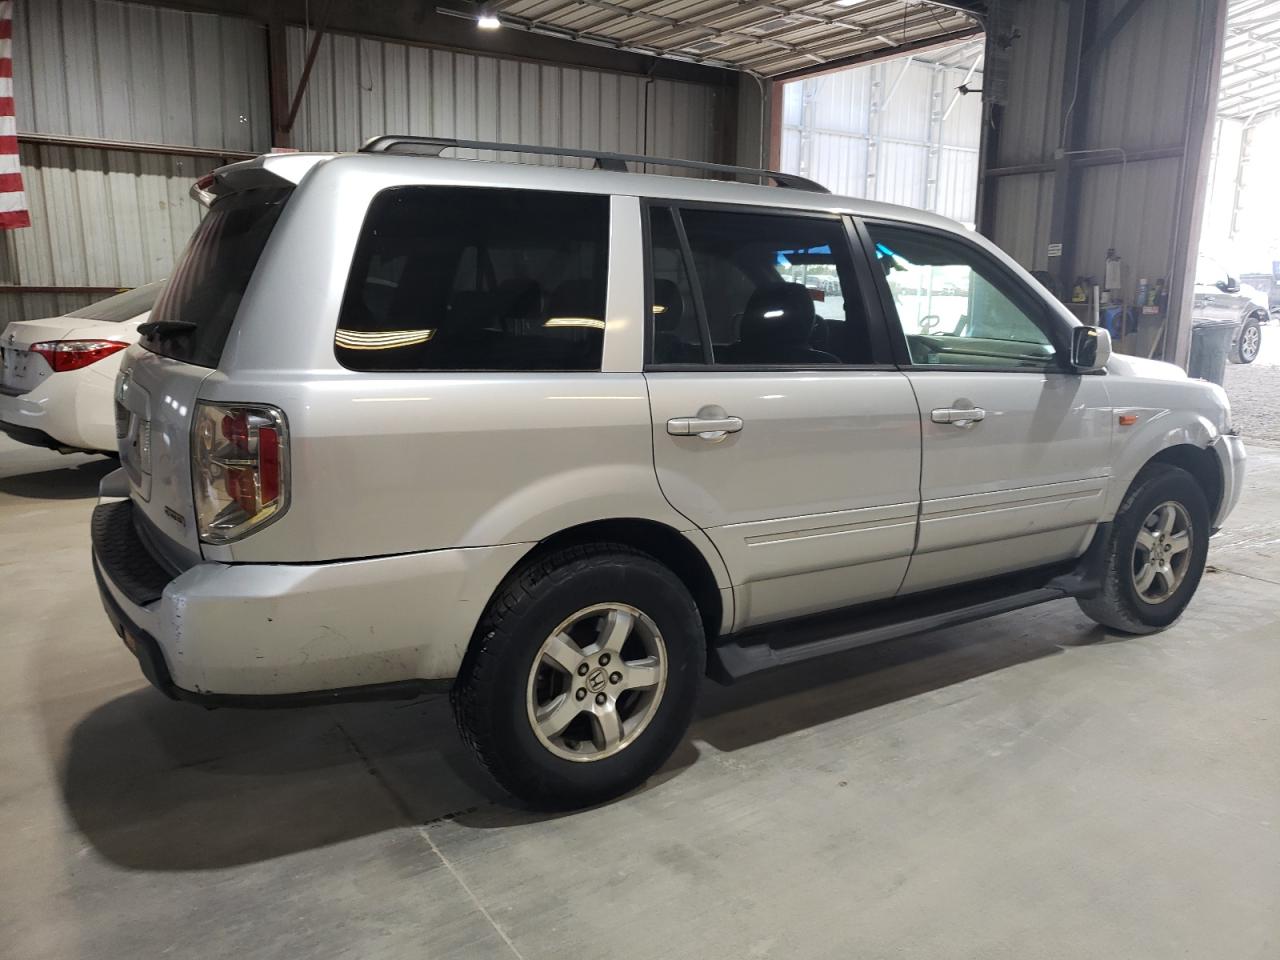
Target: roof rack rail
{"x": 617, "y": 162}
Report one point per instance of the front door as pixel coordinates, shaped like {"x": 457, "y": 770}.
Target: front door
{"x": 1016, "y": 449}
{"x": 781, "y": 428}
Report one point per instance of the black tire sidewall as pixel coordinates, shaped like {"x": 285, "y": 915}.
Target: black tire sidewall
{"x": 1163, "y": 484}
{"x": 517, "y": 756}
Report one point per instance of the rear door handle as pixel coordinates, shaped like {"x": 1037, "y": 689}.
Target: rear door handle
{"x": 958, "y": 416}
{"x": 708, "y": 428}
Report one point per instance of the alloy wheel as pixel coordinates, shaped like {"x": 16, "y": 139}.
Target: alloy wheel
{"x": 1250, "y": 341}
{"x": 596, "y": 682}
{"x": 1162, "y": 552}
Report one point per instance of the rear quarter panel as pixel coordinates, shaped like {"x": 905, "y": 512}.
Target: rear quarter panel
{"x": 410, "y": 462}
{"x": 386, "y": 463}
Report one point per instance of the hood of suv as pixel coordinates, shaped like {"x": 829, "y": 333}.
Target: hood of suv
{"x": 1128, "y": 366}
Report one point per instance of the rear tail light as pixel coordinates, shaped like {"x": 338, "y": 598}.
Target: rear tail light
{"x": 64, "y": 355}
{"x": 240, "y": 469}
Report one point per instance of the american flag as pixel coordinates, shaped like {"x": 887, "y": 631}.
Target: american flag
{"x": 13, "y": 201}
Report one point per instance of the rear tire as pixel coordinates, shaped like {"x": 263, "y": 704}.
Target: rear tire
{"x": 1248, "y": 342}
{"x": 1156, "y": 553}
{"x": 582, "y": 675}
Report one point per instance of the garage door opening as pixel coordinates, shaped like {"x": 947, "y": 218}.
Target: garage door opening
{"x": 902, "y": 131}
{"x": 1237, "y": 282}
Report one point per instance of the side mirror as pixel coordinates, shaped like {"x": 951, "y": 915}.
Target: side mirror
{"x": 1229, "y": 285}
{"x": 1090, "y": 348}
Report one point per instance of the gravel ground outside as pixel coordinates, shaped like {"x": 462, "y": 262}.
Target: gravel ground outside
{"x": 1254, "y": 390}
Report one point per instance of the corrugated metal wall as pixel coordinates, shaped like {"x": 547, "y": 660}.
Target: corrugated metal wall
{"x": 124, "y": 71}
{"x": 132, "y": 72}
{"x": 896, "y": 132}
{"x": 1140, "y": 87}
{"x": 119, "y": 71}
{"x": 360, "y": 88}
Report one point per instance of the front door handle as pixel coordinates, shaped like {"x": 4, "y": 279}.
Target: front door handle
{"x": 958, "y": 416}
{"x": 708, "y": 428}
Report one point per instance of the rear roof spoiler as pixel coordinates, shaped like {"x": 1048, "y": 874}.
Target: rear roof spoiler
{"x": 272, "y": 170}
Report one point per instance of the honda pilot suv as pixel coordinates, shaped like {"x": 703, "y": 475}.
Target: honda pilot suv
{"x": 563, "y": 441}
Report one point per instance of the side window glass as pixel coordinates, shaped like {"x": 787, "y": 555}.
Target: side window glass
{"x": 774, "y": 288}
{"x": 677, "y": 337}
{"x": 954, "y": 307}
{"x": 448, "y": 278}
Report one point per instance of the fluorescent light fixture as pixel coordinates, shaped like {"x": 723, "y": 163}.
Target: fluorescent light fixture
{"x": 848, "y": 3}
{"x": 773, "y": 314}
{"x": 488, "y": 21}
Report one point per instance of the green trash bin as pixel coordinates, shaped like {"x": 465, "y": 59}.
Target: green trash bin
{"x": 1210, "y": 344}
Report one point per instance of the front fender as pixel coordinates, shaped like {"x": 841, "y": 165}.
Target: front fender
{"x": 1156, "y": 430}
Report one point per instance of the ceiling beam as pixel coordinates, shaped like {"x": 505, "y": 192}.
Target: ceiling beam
{"x": 872, "y": 56}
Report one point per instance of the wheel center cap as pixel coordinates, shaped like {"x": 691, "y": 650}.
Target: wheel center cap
{"x": 597, "y": 680}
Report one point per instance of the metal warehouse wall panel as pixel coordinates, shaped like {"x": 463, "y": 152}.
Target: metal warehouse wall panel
{"x": 360, "y": 88}
{"x": 98, "y": 218}
{"x": 1032, "y": 126}
{"x": 123, "y": 71}
{"x": 897, "y": 132}
{"x": 1023, "y": 209}
{"x": 1141, "y": 100}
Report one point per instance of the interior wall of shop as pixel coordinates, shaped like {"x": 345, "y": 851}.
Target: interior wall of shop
{"x": 362, "y": 87}
{"x": 895, "y": 131}
{"x": 1143, "y": 146}
{"x": 150, "y": 74}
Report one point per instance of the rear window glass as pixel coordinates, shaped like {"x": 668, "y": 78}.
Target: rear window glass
{"x": 448, "y": 278}
{"x": 199, "y": 303}
{"x": 123, "y": 306}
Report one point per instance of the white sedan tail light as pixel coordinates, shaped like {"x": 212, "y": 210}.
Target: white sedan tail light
{"x": 240, "y": 469}
{"x": 64, "y": 355}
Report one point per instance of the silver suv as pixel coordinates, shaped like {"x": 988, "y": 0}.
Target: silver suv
{"x": 562, "y": 441}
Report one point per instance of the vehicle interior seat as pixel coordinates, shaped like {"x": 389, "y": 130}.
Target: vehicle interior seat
{"x": 668, "y": 315}
{"x": 776, "y": 328}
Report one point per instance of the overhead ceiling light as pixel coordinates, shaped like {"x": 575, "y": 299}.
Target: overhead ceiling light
{"x": 488, "y": 21}
{"x": 848, "y": 3}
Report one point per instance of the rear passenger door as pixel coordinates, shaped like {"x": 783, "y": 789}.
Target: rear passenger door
{"x": 781, "y": 427}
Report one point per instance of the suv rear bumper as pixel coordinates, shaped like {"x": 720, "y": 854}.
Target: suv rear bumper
{"x": 1232, "y": 459}
{"x": 258, "y": 634}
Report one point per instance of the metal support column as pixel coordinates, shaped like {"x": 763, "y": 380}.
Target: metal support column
{"x": 1076, "y": 90}
{"x": 873, "y": 131}
{"x": 1242, "y": 163}
{"x": 933, "y": 138}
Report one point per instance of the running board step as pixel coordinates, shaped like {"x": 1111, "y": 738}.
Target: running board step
{"x": 740, "y": 656}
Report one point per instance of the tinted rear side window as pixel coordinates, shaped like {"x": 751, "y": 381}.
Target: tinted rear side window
{"x": 199, "y": 303}
{"x": 449, "y": 278}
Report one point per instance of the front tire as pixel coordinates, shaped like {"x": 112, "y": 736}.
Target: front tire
{"x": 582, "y": 675}
{"x": 1248, "y": 342}
{"x": 1156, "y": 553}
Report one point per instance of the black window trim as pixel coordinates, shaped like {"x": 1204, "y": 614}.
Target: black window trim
{"x": 1052, "y": 326}
{"x": 877, "y": 323}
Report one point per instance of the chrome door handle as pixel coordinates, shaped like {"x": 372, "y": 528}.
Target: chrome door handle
{"x": 957, "y": 416}
{"x": 708, "y": 428}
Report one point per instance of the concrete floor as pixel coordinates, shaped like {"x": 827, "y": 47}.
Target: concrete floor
{"x": 1026, "y": 787}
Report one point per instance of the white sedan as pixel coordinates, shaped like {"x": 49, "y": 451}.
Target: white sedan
{"x": 58, "y": 375}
